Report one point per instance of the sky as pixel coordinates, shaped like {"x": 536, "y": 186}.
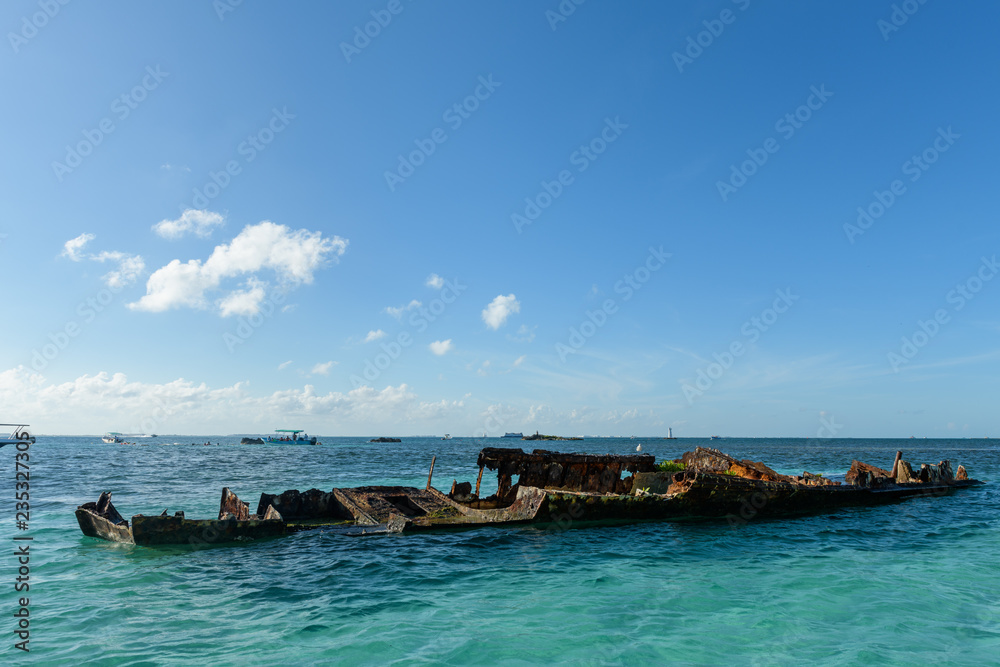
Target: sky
{"x": 582, "y": 218}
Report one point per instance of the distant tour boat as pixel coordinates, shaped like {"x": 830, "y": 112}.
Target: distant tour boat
{"x": 447, "y": 436}
{"x": 513, "y": 435}
{"x": 716, "y": 437}
{"x": 293, "y": 439}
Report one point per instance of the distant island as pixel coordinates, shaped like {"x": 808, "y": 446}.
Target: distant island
{"x": 539, "y": 436}
{"x": 385, "y": 440}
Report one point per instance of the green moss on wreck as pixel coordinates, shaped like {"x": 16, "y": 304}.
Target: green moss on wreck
{"x": 669, "y": 466}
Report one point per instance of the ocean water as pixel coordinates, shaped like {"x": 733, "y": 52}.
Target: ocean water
{"x": 912, "y": 583}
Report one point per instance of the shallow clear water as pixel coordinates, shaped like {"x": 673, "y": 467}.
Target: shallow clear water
{"x": 905, "y": 584}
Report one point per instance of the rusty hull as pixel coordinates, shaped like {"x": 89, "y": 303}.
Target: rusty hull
{"x": 553, "y": 488}
{"x": 714, "y": 485}
{"x": 164, "y": 530}
{"x": 553, "y": 470}
{"x": 102, "y": 520}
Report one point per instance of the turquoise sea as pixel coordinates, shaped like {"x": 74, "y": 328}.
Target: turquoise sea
{"x": 913, "y": 583}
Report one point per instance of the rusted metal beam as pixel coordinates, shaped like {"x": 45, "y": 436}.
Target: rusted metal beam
{"x": 431, "y": 473}
{"x": 895, "y": 464}
{"x": 479, "y": 479}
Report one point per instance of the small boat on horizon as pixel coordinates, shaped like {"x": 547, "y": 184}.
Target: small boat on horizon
{"x": 447, "y": 436}
{"x": 513, "y": 435}
{"x": 293, "y": 439}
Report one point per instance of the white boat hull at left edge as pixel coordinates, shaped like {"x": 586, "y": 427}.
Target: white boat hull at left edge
{"x": 12, "y": 434}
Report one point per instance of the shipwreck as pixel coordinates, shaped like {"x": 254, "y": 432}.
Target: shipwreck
{"x": 552, "y": 488}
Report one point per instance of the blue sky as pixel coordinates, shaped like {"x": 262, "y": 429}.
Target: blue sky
{"x": 216, "y": 218}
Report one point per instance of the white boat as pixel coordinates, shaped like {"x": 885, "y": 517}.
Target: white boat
{"x": 447, "y": 436}
{"x": 15, "y": 434}
{"x": 113, "y": 438}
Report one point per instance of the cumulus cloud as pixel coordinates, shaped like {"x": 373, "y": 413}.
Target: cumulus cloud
{"x": 191, "y": 220}
{"x": 441, "y": 347}
{"x": 502, "y": 307}
{"x": 243, "y": 302}
{"x": 72, "y": 248}
{"x": 91, "y": 402}
{"x": 435, "y": 281}
{"x": 294, "y": 256}
{"x": 374, "y": 335}
{"x": 483, "y": 370}
{"x": 130, "y": 267}
{"x": 398, "y": 312}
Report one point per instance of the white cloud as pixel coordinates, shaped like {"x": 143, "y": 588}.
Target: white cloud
{"x": 398, "y": 312}
{"x": 322, "y": 369}
{"x": 72, "y": 248}
{"x": 91, "y": 402}
{"x": 293, "y": 256}
{"x": 435, "y": 281}
{"x": 374, "y": 335}
{"x": 496, "y": 314}
{"x": 191, "y": 220}
{"x": 441, "y": 347}
{"x": 481, "y": 372}
{"x": 243, "y": 302}
{"x": 130, "y": 267}
{"x": 282, "y": 366}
